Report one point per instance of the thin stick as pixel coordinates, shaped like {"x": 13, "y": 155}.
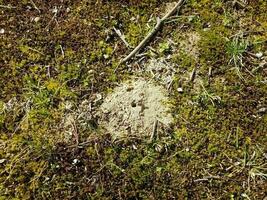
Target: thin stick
{"x": 152, "y": 33}
{"x": 34, "y": 5}
{"x": 209, "y": 74}
{"x": 122, "y": 37}
{"x": 35, "y": 50}
{"x": 75, "y": 131}
{"x": 193, "y": 74}
{"x": 9, "y": 7}
{"x": 62, "y": 51}
{"x": 155, "y": 129}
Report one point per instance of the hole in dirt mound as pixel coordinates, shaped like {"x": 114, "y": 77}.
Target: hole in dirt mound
{"x": 133, "y": 107}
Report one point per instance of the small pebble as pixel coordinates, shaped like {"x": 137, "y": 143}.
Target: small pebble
{"x": 54, "y": 10}
{"x": 2, "y": 31}
{"x": 259, "y": 55}
{"x": 262, "y": 110}
{"x": 180, "y": 90}
{"x": 37, "y": 19}
{"x": 75, "y": 161}
{"x": 91, "y": 71}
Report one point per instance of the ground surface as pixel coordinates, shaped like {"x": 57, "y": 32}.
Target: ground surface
{"x": 57, "y": 63}
{"x": 134, "y": 108}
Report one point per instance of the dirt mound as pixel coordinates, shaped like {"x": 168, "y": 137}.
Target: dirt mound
{"x": 133, "y": 108}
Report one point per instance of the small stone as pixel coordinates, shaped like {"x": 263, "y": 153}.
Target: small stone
{"x": 75, "y": 161}
{"x": 91, "y": 71}
{"x": 54, "y": 10}
{"x": 47, "y": 179}
{"x": 2, "y": 161}
{"x": 37, "y": 19}
{"x": 2, "y": 31}
{"x": 180, "y": 90}
{"x": 259, "y": 55}
{"x": 68, "y": 10}
{"x": 262, "y": 110}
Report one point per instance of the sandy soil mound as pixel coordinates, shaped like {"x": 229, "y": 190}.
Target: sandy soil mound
{"x": 133, "y": 108}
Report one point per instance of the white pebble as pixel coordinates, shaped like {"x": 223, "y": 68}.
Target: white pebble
{"x": 2, "y": 31}
{"x": 259, "y": 55}
{"x": 36, "y": 19}
{"x": 180, "y": 89}
{"x": 75, "y": 161}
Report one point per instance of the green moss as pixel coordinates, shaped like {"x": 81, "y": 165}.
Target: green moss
{"x": 219, "y": 129}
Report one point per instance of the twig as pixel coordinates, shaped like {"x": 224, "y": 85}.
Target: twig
{"x": 35, "y": 6}
{"x": 209, "y": 74}
{"x": 122, "y": 37}
{"x": 55, "y": 14}
{"x": 9, "y": 7}
{"x": 35, "y": 50}
{"x": 54, "y": 17}
{"x": 207, "y": 178}
{"x": 241, "y": 4}
{"x": 153, "y": 32}
{"x": 48, "y": 71}
{"x": 62, "y": 51}
{"x": 155, "y": 129}
{"x": 80, "y": 145}
{"x": 193, "y": 74}
{"x": 75, "y": 132}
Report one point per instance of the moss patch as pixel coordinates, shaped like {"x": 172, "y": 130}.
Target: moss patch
{"x": 57, "y": 61}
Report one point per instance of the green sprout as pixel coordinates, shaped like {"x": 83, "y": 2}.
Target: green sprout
{"x": 235, "y": 49}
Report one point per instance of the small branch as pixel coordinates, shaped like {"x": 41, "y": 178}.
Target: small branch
{"x": 76, "y": 135}
{"x": 35, "y": 6}
{"x": 54, "y": 17}
{"x": 193, "y": 74}
{"x": 122, "y": 37}
{"x": 209, "y": 74}
{"x": 35, "y": 50}
{"x": 207, "y": 178}
{"x": 155, "y": 129}
{"x": 241, "y": 4}
{"x": 48, "y": 71}
{"x": 62, "y": 51}
{"x": 8, "y": 7}
{"x": 153, "y": 32}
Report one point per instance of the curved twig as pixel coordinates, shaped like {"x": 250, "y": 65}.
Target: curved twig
{"x": 152, "y": 33}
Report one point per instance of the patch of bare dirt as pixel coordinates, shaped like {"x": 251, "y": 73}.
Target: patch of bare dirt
{"x": 133, "y": 107}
